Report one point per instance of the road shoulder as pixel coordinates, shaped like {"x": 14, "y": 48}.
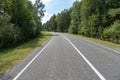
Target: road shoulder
{"x": 12, "y": 72}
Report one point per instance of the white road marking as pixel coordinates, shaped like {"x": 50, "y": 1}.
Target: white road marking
{"x": 97, "y": 44}
{"x": 89, "y": 63}
{"x": 18, "y": 75}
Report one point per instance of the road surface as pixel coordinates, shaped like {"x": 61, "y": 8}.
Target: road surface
{"x": 68, "y": 57}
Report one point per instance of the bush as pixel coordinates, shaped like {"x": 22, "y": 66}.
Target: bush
{"x": 73, "y": 29}
{"x": 9, "y": 34}
{"x": 112, "y": 33}
{"x": 107, "y": 34}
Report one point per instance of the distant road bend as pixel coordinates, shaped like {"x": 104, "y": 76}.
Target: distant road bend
{"x": 68, "y": 57}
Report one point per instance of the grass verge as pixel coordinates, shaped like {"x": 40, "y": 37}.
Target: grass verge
{"x": 105, "y": 43}
{"x": 9, "y": 57}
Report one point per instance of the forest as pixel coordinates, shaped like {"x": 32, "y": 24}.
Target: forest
{"x": 92, "y": 18}
{"x": 20, "y": 20}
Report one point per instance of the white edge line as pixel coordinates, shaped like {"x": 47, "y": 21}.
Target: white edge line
{"x": 89, "y": 63}
{"x": 18, "y": 75}
{"x": 103, "y": 46}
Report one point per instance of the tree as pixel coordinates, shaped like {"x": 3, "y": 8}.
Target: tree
{"x": 47, "y": 26}
{"x": 115, "y": 14}
{"x": 27, "y": 17}
{"x": 9, "y": 34}
{"x": 1, "y": 7}
{"x": 112, "y": 33}
{"x": 75, "y": 17}
{"x": 92, "y": 18}
{"x": 39, "y": 8}
{"x": 53, "y": 23}
{"x": 20, "y": 20}
{"x": 88, "y": 9}
{"x": 63, "y": 21}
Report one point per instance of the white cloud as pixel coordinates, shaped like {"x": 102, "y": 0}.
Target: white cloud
{"x": 43, "y": 1}
{"x": 46, "y": 1}
{"x": 46, "y": 17}
{"x": 33, "y": 1}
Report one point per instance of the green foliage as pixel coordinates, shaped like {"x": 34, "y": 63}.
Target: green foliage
{"x": 75, "y": 18}
{"x": 51, "y": 25}
{"x": 9, "y": 57}
{"x": 59, "y": 23}
{"x": 112, "y": 33}
{"x": 112, "y": 3}
{"x": 114, "y": 12}
{"x": 47, "y": 26}
{"x": 20, "y": 20}
{"x": 63, "y": 21}
{"x": 40, "y": 8}
{"x": 88, "y": 9}
{"x": 116, "y": 31}
{"x": 73, "y": 29}
{"x": 8, "y": 33}
{"x": 107, "y": 34}
{"x": 91, "y": 18}
{"x": 93, "y": 23}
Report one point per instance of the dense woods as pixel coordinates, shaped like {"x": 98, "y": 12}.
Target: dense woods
{"x": 20, "y": 20}
{"x": 59, "y": 23}
{"x": 92, "y": 18}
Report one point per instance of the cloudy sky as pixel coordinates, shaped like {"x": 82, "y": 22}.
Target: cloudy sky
{"x": 54, "y": 7}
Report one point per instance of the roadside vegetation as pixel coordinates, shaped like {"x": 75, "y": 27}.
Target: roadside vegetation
{"x": 8, "y": 57}
{"x": 20, "y": 21}
{"x": 98, "y": 19}
{"x": 20, "y": 30}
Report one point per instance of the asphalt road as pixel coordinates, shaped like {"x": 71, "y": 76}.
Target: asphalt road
{"x": 68, "y": 57}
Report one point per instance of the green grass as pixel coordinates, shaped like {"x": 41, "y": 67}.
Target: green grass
{"x": 9, "y": 57}
{"x": 105, "y": 43}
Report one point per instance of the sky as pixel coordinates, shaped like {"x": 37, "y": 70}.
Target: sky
{"x": 54, "y": 7}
